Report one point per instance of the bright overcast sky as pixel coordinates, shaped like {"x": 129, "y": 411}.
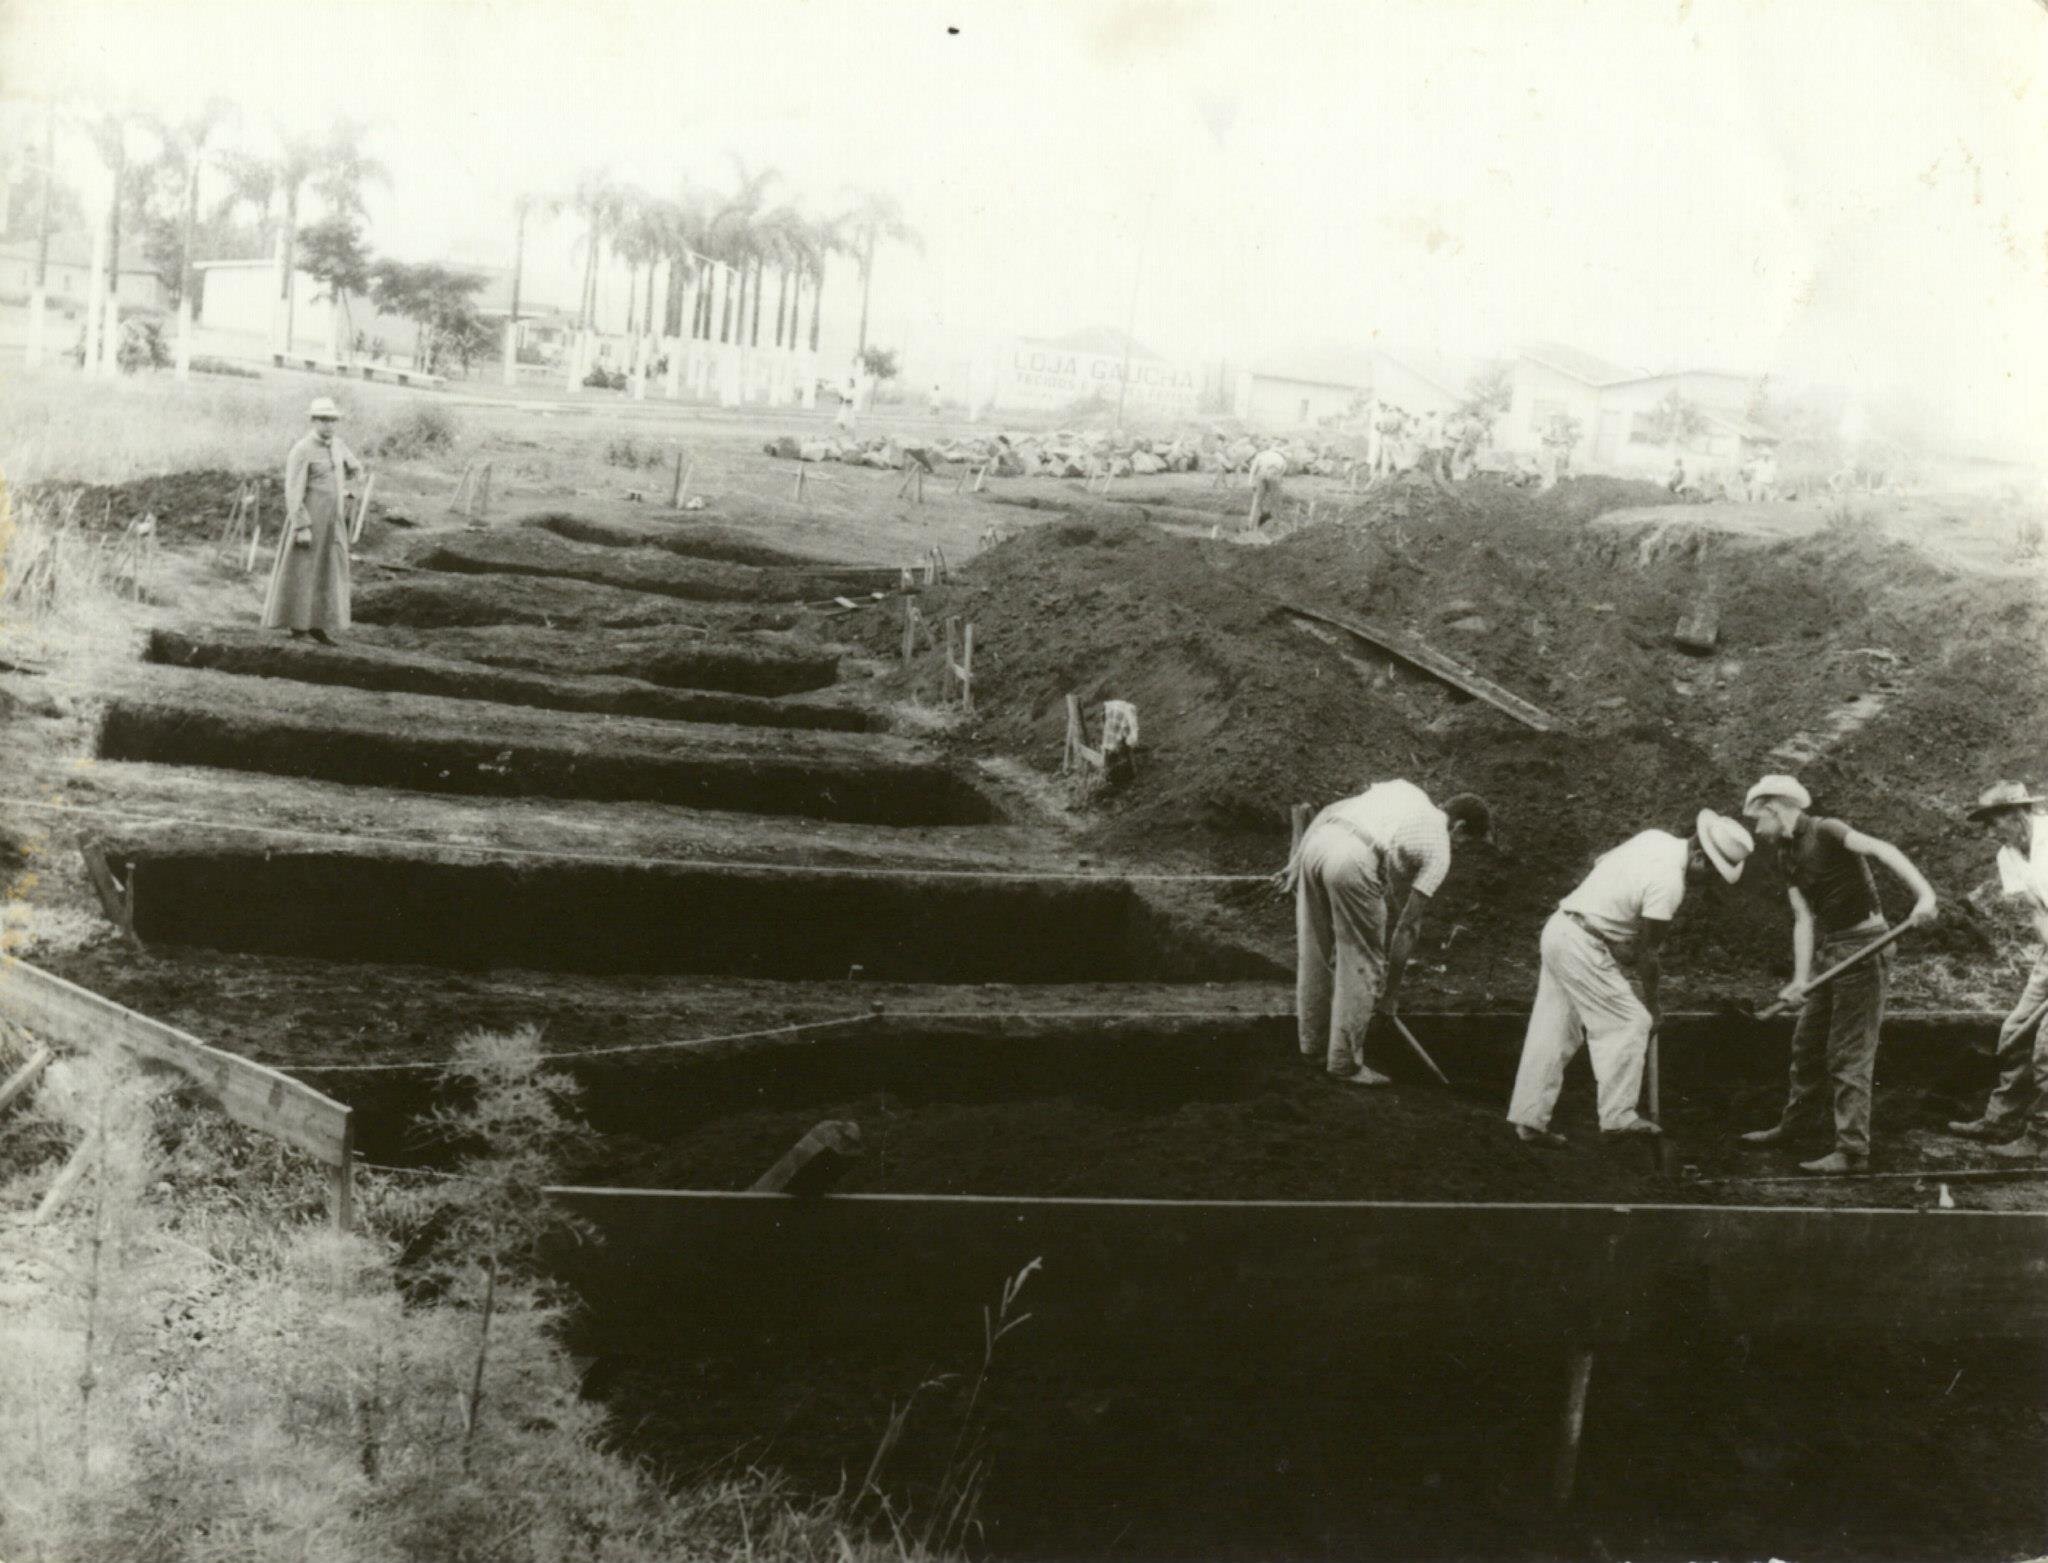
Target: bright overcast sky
{"x": 1849, "y": 190}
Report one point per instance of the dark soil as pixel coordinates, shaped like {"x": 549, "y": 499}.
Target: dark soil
{"x": 1243, "y": 713}
{"x": 682, "y": 535}
{"x": 430, "y": 600}
{"x": 534, "y": 552}
{"x": 381, "y": 740}
{"x": 189, "y": 506}
{"x": 679, "y": 656}
{"x": 271, "y": 655}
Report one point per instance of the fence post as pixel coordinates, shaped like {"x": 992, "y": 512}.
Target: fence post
{"x": 341, "y": 1180}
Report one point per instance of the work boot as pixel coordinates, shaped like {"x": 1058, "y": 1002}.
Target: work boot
{"x": 1364, "y": 1075}
{"x": 1995, "y": 1130}
{"x": 2025, "y": 1147}
{"x": 1547, "y": 1138}
{"x": 1835, "y": 1164}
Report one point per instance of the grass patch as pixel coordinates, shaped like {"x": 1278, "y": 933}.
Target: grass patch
{"x": 56, "y": 425}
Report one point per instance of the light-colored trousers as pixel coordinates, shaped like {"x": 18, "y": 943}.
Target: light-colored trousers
{"x": 2023, "y": 1055}
{"x": 1582, "y": 998}
{"x": 1340, "y": 940}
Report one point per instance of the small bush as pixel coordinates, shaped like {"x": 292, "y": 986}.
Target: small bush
{"x": 423, "y": 429}
{"x": 629, "y": 452}
{"x": 603, "y": 379}
{"x": 206, "y": 364}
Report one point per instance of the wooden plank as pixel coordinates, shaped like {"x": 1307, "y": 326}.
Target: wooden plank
{"x": 258, "y": 1097}
{"x": 24, "y": 1077}
{"x": 1422, "y": 655}
{"x": 1290, "y": 1285}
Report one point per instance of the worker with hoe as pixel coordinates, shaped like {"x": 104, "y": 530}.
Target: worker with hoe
{"x": 1614, "y": 924}
{"x": 1387, "y": 843}
{"x": 1267, "y": 469}
{"x": 1835, "y": 912}
{"x": 309, "y": 582}
{"x": 2015, "y": 1119}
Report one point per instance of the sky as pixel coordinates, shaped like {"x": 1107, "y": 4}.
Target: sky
{"x": 1845, "y": 191}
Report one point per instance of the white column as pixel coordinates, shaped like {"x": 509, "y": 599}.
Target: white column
{"x": 572, "y": 357}
{"x": 183, "y": 353}
{"x": 674, "y": 384}
{"x": 38, "y": 307}
{"x": 96, "y": 296}
{"x": 334, "y": 330}
{"x": 807, "y": 374}
{"x": 511, "y": 352}
{"x": 277, "y": 342}
{"x": 728, "y": 375}
{"x": 637, "y": 383}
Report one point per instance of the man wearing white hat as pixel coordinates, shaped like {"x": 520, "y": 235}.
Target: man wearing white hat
{"x": 1358, "y": 854}
{"x": 1614, "y": 923}
{"x": 2016, "y": 1116}
{"x": 309, "y": 582}
{"x": 1835, "y": 912}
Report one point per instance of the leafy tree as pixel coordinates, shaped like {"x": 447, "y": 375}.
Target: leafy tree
{"x": 879, "y": 362}
{"x": 332, "y": 252}
{"x": 1675, "y": 422}
{"x": 1488, "y": 396}
{"x": 441, "y": 302}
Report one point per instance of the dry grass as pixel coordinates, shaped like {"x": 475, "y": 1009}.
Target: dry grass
{"x": 56, "y": 425}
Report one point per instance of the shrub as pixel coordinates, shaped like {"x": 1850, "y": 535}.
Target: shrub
{"x": 423, "y": 429}
{"x": 603, "y": 379}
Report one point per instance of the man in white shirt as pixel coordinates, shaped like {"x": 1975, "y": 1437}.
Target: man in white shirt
{"x": 1267, "y": 469}
{"x": 1385, "y": 843}
{"x": 1614, "y": 923}
{"x": 2016, "y": 1116}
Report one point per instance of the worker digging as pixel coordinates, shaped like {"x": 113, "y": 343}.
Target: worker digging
{"x": 1387, "y": 844}
{"x": 1613, "y": 924}
{"x": 1837, "y": 916}
{"x": 2015, "y": 1119}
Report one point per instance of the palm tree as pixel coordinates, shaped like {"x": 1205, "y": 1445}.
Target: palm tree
{"x": 827, "y": 238}
{"x": 345, "y": 167}
{"x": 522, "y": 206}
{"x": 252, "y": 182}
{"x": 297, "y": 161}
{"x": 594, "y": 200}
{"x": 184, "y": 152}
{"x": 875, "y": 219}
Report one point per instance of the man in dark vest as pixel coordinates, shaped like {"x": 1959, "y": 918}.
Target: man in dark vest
{"x": 1835, "y": 912}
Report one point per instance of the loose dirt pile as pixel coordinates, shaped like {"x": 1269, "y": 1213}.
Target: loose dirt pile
{"x": 189, "y": 506}
{"x": 1243, "y": 713}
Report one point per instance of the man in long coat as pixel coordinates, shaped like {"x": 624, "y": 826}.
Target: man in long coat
{"x": 309, "y": 583}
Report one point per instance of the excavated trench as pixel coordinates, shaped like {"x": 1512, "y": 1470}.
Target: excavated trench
{"x": 796, "y": 924}
{"x": 533, "y": 552}
{"x": 376, "y": 668}
{"x": 678, "y": 657}
{"x": 699, "y": 770}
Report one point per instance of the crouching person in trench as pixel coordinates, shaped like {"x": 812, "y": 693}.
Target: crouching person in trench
{"x": 1389, "y": 842}
{"x": 309, "y": 583}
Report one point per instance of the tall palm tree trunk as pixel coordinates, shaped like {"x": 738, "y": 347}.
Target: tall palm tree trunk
{"x": 796, "y": 309}
{"x": 781, "y": 301}
{"x": 647, "y": 314}
{"x": 291, "y": 262}
{"x": 589, "y": 280}
{"x": 725, "y": 310}
{"x": 518, "y": 264}
{"x": 817, "y": 303}
{"x": 760, "y": 269}
{"x": 867, "y": 277}
{"x": 49, "y": 178}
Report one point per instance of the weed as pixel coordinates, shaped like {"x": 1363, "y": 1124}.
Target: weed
{"x": 423, "y": 429}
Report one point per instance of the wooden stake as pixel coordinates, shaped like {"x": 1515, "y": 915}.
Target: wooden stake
{"x": 355, "y": 533}
{"x": 66, "y": 1180}
{"x": 799, "y": 493}
{"x": 341, "y": 1184}
{"x": 1572, "y": 1427}
{"x": 675, "y": 493}
{"x": 116, "y": 899}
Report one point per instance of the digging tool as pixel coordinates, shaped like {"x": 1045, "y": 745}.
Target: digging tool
{"x": 1780, "y": 1006}
{"x": 1419, "y": 1050}
{"x": 1663, "y": 1154}
{"x": 355, "y": 532}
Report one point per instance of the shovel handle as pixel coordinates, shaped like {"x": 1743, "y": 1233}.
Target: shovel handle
{"x": 1836, "y": 970}
{"x": 1408, "y": 1036}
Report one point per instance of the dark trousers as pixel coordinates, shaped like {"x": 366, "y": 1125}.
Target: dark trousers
{"x": 1834, "y": 1045}
{"x": 2023, "y": 1055}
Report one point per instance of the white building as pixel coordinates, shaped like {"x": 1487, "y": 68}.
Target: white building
{"x": 1051, "y": 373}
{"x": 70, "y": 274}
{"x": 1301, "y": 392}
{"x": 1615, "y": 407}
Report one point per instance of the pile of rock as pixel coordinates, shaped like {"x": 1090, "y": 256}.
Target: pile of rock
{"x": 1066, "y": 453}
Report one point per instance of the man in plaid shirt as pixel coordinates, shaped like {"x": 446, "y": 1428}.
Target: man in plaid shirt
{"x": 1389, "y": 842}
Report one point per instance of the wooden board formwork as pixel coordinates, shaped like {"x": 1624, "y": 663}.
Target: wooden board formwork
{"x": 1288, "y": 1286}
{"x": 258, "y": 1097}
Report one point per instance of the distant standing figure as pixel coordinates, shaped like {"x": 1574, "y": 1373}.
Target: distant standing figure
{"x": 309, "y": 583}
{"x": 844, "y": 420}
{"x": 935, "y": 401}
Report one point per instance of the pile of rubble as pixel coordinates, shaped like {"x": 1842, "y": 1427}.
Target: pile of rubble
{"x": 1066, "y": 453}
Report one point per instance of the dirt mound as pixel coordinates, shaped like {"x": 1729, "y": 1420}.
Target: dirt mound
{"x": 188, "y": 505}
{"x": 690, "y": 539}
{"x": 1243, "y": 712}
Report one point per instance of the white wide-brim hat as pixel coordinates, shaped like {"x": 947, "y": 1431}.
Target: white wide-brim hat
{"x": 1726, "y": 843}
{"x": 1786, "y": 787}
{"x": 323, "y": 407}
